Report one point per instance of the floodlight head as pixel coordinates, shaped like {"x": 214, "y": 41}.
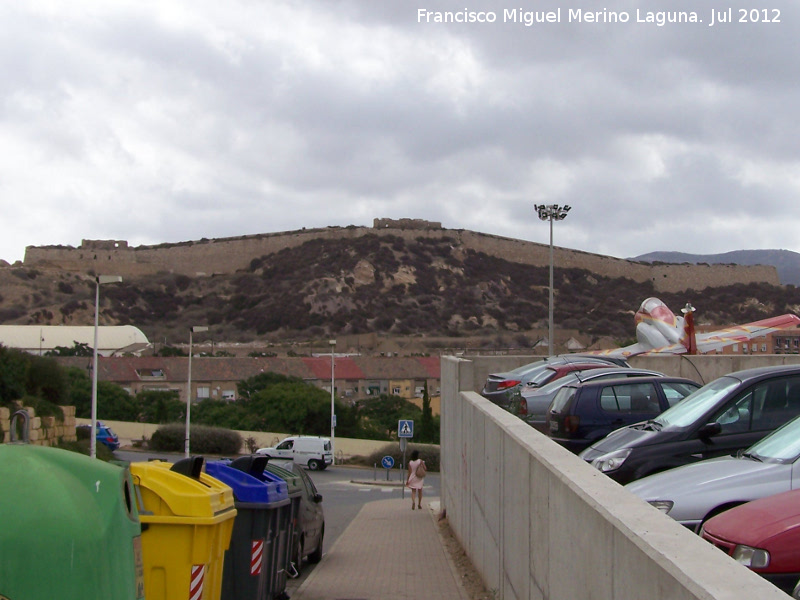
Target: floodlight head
{"x": 199, "y": 328}
{"x": 332, "y": 342}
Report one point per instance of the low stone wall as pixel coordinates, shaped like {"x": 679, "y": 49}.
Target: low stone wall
{"x": 540, "y": 524}
{"x": 344, "y": 447}
{"x": 42, "y": 431}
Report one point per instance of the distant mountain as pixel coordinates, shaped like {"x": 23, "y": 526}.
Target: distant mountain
{"x": 785, "y": 261}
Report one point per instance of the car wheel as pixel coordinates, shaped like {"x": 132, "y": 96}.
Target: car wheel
{"x": 316, "y": 555}
{"x": 314, "y": 465}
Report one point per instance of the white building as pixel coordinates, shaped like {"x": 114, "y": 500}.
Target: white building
{"x": 111, "y": 340}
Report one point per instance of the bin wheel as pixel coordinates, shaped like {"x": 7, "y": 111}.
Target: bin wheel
{"x": 316, "y": 555}
{"x": 314, "y": 465}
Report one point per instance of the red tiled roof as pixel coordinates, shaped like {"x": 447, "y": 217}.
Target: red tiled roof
{"x": 432, "y": 364}
{"x": 345, "y": 368}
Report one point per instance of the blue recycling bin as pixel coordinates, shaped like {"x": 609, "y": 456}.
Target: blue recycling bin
{"x": 249, "y": 569}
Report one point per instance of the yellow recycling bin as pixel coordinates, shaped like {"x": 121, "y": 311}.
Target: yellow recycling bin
{"x": 187, "y": 520}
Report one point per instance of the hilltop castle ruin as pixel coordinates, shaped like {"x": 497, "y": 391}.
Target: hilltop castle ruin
{"x": 227, "y": 255}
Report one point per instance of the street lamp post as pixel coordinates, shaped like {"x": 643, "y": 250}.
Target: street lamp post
{"x": 551, "y": 212}
{"x": 99, "y": 280}
{"x": 332, "y": 344}
{"x": 195, "y": 329}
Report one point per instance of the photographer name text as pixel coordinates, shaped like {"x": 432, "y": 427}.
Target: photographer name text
{"x": 529, "y": 18}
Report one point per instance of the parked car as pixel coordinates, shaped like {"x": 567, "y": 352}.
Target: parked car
{"x": 727, "y": 415}
{"x": 583, "y": 412}
{"x": 531, "y": 405}
{"x": 310, "y": 521}
{"x": 499, "y": 386}
{"x": 763, "y": 535}
{"x": 314, "y": 452}
{"x": 103, "y": 435}
{"x": 693, "y": 493}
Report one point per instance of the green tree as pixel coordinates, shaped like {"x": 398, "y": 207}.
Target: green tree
{"x": 13, "y": 375}
{"x": 249, "y": 387}
{"x": 80, "y": 391}
{"x": 160, "y": 406}
{"x": 428, "y": 431}
{"x": 47, "y": 380}
{"x": 293, "y": 407}
{"x": 78, "y": 349}
{"x": 115, "y": 404}
{"x": 385, "y": 412}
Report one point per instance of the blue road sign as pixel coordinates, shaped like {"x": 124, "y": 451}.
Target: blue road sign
{"x": 405, "y": 429}
{"x": 387, "y": 462}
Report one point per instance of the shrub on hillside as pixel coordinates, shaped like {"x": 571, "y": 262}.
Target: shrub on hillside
{"x": 204, "y": 440}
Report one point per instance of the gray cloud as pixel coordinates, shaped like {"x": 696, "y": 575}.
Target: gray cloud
{"x": 163, "y": 122}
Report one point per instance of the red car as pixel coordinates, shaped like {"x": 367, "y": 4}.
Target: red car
{"x": 763, "y": 535}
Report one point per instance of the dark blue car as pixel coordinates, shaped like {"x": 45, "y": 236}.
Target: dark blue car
{"x": 584, "y": 412}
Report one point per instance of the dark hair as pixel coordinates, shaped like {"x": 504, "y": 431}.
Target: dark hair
{"x": 415, "y": 455}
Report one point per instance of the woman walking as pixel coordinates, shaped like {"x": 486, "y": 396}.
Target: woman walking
{"x": 416, "y": 478}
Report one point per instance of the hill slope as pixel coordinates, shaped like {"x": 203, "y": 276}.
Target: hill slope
{"x": 371, "y": 284}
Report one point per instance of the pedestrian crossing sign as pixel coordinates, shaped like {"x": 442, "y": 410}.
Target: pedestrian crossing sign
{"x": 405, "y": 429}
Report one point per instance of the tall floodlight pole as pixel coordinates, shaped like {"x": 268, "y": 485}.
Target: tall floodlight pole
{"x": 551, "y": 212}
{"x": 99, "y": 280}
{"x": 332, "y": 344}
{"x": 196, "y": 329}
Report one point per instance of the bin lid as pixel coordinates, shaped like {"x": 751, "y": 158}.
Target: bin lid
{"x": 255, "y": 464}
{"x": 292, "y": 480}
{"x": 246, "y": 487}
{"x": 171, "y": 493}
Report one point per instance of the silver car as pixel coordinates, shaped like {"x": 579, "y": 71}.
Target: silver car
{"x": 694, "y": 493}
{"x": 531, "y": 404}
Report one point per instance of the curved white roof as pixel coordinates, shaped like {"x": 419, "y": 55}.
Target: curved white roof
{"x": 35, "y": 338}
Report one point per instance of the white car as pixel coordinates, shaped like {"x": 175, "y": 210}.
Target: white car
{"x": 694, "y": 493}
{"x": 316, "y": 453}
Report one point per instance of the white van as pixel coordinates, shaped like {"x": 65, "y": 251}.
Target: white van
{"x": 314, "y": 452}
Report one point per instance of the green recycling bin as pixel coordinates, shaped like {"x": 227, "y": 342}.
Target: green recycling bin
{"x": 69, "y": 527}
{"x": 248, "y": 573}
{"x": 189, "y": 519}
{"x": 289, "y": 539}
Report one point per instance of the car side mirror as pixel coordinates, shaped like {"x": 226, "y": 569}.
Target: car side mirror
{"x": 709, "y": 430}
{"x": 317, "y": 498}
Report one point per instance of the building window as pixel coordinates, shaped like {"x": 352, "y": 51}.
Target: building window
{"x": 229, "y": 395}
{"x": 203, "y": 392}
{"x": 396, "y": 390}
{"x": 754, "y": 347}
{"x": 763, "y": 347}
{"x": 736, "y": 348}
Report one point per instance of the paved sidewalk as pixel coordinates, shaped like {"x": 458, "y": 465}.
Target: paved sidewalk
{"x": 388, "y": 552}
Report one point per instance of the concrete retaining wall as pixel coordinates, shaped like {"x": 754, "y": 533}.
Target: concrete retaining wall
{"x": 540, "y": 524}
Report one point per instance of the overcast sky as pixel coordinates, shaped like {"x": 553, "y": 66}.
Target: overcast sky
{"x": 175, "y": 120}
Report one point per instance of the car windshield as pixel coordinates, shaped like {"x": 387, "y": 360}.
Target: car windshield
{"x": 695, "y": 405}
{"x": 549, "y": 388}
{"x": 542, "y": 376}
{"x": 523, "y": 370}
{"x": 782, "y": 445}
